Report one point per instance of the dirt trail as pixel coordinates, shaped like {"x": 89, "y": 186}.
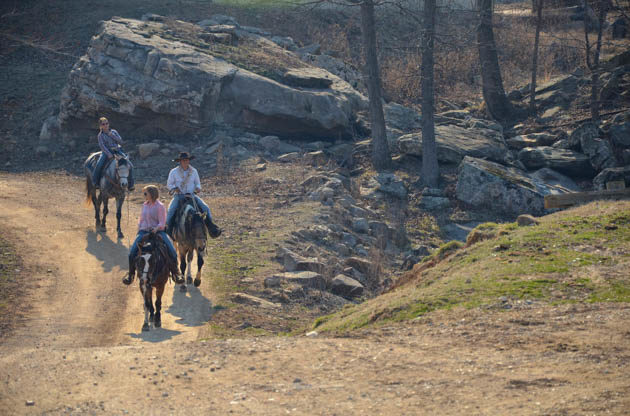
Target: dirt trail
{"x": 81, "y": 350}
{"x": 80, "y": 300}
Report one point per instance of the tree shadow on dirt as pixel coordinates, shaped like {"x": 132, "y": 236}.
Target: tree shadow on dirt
{"x": 110, "y": 253}
{"x": 155, "y": 335}
{"x": 192, "y": 307}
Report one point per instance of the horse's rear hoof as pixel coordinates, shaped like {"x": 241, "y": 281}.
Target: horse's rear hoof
{"x": 189, "y": 280}
{"x": 158, "y": 324}
{"x": 145, "y": 327}
{"x": 197, "y": 282}
{"x": 182, "y": 288}
{"x": 120, "y": 234}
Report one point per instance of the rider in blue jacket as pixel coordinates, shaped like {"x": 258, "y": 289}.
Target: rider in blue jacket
{"x": 110, "y": 143}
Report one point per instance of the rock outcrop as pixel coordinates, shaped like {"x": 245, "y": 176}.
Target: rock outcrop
{"x": 482, "y": 183}
{"x": 455, "y": 142}
{"x": 173, "y": 78}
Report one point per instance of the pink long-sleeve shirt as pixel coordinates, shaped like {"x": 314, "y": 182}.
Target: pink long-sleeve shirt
{"x": 153, "y": 215}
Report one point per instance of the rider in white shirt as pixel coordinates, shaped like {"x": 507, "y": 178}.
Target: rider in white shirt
{"x": 182, "y": 180}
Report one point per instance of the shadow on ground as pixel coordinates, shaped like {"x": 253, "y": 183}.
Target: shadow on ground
{"x": 111, "y": 254}
{"x": 191, "y": 307}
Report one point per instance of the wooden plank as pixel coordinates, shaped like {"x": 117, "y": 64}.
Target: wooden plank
{"x": 576, "y": 198}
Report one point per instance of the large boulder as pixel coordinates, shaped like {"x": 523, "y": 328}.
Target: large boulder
{"x": 456, "y": 142}
{"x": 600, "y": 153}
{"x": 337, "y": 67}
{"x": 175, "y": 78}
{"x": 611, "y": 175}
{"x": 620, "y": 134}
{"x": 586, "y": 131}
{"x": 345, "y": 286}
{"x": 566, "y": 161}
{"x": 482, "y": 183}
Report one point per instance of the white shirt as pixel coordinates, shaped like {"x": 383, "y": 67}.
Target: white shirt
{"x": 186, "y": 180}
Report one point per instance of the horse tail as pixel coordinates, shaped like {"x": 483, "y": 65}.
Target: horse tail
{"x": 89, "y": 190}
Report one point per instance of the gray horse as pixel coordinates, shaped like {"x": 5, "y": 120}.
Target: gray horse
{"x": 189, "y": 234}
{"x": 113, "y": 185}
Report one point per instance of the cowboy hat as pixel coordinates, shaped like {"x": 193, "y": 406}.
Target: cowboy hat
{"x": 183, "y": 155}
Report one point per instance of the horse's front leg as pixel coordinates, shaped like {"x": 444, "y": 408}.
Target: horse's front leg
{"x": 97, "y": 210}
{"x": 105, "y": 212}
{"x": 157, "y": 320}
{"x": 182, "y": 266}
{"x": 199, "y": 266}
{"x": 189, "y": 267}
{"x": 119, "y": 204}
{"x": 148, "y": 306}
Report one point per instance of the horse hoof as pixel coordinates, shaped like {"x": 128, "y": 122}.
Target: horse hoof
{"x": 197, "y": 282}
{"x": 120, "y": 234}
{"x": 182, "y": 288}
{"x": 189, "y": 280}
{"x": 145, "y": 327}
{"x": 158, "y": 324}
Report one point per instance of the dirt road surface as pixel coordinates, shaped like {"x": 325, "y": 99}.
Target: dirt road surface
{"x": 80, "y": 349}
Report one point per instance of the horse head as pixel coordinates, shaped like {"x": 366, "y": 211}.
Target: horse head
{"x": 197, "y": 230}
{"x": 145, "y": 262}
{"x": 123, "y": 169}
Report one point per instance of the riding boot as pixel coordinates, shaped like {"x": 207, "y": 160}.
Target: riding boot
{"x": 212, "y": 228}
{"x": 169, "y": 230}
{"x": 132, "y": 272}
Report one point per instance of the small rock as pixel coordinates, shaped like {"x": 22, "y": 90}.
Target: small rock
{"x": 525, "y": 220}
{"x": 30, "y": 403}
{"x": 360, "y": 225}
{"x": 147, "y": 149}
{"x": 260, "y": 167}
{"x": 312, "y": 334}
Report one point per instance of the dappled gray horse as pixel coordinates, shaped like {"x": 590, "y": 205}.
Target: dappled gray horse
{"x": 113, "y": 185}
{"x": 189, "y": 235}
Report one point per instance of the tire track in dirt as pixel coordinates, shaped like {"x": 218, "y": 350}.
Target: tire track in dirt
{"x": 78, "y": 298}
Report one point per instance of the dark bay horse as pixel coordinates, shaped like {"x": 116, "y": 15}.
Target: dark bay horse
{"x": 113, "y": 185}
{"x": 152, "y": 271}
{"x": 189, "y": 234}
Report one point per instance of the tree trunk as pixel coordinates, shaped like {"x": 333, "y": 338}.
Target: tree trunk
{"x": 593, "y": 65}
{"x": 430, "y": 169}
{"x": 532, "y": 98}
{"x": 493, "y": 93}
{"x": 381, "y": 158}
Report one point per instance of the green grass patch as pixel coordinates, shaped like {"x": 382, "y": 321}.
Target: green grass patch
{"x": 553, "y": 262}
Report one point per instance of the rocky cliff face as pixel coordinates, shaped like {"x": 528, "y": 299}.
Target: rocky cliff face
{"x": 170, "y": 78}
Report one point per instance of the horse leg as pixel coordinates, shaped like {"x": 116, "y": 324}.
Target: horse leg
{"x": 199, "y": 266}
{"x": 159, "y": 290}
{"x": 182, "y": 268}
{"x": 189, "y": 268}
{"x": 97, "y": 210}
{"x": 143, "y": 290}
{"x": 105, "y": 211}
{"x": 119, "y": 204}
{"x": 149, "y": 312}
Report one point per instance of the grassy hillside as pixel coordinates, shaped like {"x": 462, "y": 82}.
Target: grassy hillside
{"x": 579, "y": 255}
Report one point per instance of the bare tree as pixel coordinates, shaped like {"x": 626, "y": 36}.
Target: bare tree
{"x": 381, "y": 158}
{"x": 532, "y": 98}
{"x": 497, "y": 103}
{"x": 592, "y": 62}
{"x": 430, "y": 168}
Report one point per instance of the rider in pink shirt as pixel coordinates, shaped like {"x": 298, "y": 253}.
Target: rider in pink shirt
{"x": 152, "y": 220}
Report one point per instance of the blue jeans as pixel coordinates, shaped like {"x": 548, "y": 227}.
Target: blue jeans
{"x": 177, "y": 199}
{"x": 133, "y": 252}
{"x": 98, "y": 171}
